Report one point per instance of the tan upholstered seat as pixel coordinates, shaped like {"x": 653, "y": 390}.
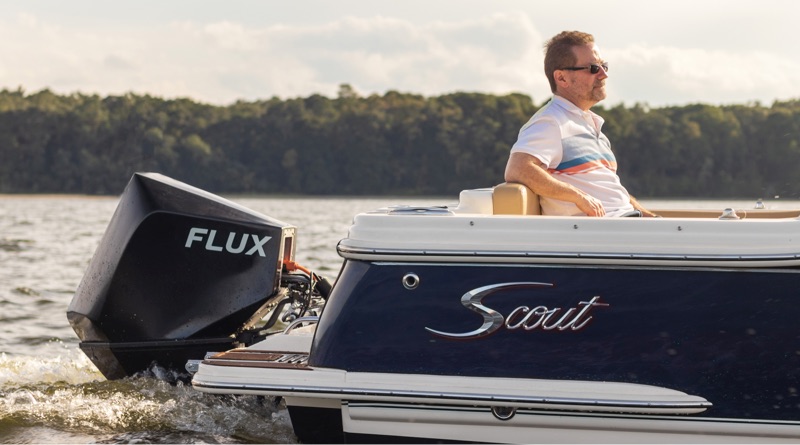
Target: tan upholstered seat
{"x": 511, "y": 198}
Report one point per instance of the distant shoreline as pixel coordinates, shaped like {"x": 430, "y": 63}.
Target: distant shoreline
{"x": 232, "y": 196}
{"x": 53, "y": 195}
{"x": 235, "y": 196}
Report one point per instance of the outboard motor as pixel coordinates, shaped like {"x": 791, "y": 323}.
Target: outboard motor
{"x": 179, "y": 272}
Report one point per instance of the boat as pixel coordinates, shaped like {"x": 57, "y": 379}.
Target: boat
{"x": 483, "y": 321}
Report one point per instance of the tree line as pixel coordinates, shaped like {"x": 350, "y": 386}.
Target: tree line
{"x": 395, "y": 143}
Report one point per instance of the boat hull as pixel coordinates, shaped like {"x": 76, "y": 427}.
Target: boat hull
{"x": 626, "y": 354}
{"x": 465, "y": 324}
{"x": 329, "y": 406}
{"x": 727, "y": 335}
{"x": 383, "y": 423}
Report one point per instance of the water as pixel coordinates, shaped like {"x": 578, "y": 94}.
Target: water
{"x": 51, "y": 393}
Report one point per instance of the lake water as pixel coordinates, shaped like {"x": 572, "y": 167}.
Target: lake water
{"x": 51, "y": 393}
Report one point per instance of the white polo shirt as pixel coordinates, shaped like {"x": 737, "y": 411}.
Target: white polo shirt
{"x": 569, "y": 142}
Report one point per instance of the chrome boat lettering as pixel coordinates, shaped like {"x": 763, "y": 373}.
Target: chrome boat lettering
{"x": 539, "y": 317}
{"x": 231, "y": 246}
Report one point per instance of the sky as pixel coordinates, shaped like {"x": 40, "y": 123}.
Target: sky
{"x": 662, "y": 53}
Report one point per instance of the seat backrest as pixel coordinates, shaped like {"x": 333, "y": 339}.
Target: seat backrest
{"x": 510, "y": 198}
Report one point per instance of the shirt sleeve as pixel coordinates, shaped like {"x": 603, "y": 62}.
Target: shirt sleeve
{"x": 541, "y": 138}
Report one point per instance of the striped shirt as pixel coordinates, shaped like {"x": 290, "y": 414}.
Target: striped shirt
{"x": 569, "y": 142}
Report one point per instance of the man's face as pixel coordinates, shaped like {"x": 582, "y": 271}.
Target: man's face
{"x": 582, "y": 87}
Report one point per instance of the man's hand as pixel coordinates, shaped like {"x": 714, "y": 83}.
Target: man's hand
{"x": 639, "y": 207}
{"x": 590, "y": 206}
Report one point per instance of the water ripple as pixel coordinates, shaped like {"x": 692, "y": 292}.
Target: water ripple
{"x": 67, "y": 396}
{"x": 15, "y": 245}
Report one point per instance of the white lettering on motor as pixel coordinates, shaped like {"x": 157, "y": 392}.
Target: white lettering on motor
{"x": 210, "y": 242}
{"x": 258, "y": 246}
{"x": 199, "y": 234}
{"x": 193, "y": 235}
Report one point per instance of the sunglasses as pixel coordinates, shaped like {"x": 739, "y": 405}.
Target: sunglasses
{"x": 593, "y": 68}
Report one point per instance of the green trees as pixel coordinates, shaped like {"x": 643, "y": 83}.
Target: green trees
{"x": 395, "y": 143}
{"x": 707, "y": 151}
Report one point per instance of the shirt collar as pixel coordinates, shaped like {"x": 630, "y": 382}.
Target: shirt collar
{"x": 572, "y": 108}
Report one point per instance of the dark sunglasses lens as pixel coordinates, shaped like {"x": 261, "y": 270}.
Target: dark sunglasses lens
{"x": 594, "y": 69}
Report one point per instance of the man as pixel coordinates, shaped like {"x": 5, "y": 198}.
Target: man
{"x": 561, "y": 154}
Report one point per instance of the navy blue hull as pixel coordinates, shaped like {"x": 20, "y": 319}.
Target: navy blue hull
{"x": 731, "y": 337}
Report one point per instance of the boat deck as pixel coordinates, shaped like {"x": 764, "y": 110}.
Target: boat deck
{"x": 259, "y": 359}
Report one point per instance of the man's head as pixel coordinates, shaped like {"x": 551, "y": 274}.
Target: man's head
{"x": 568, "y": 61}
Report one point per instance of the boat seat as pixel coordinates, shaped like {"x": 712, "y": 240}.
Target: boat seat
{"x": 510, "y": 198}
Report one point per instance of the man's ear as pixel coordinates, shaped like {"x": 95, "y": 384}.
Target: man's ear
{"x": 560, "y": 78}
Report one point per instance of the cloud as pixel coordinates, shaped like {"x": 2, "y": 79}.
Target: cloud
{"x": 226, "y": 60}
{"x": 668, "y": 75}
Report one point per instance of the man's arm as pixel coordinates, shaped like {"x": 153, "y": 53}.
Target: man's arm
{"x": 528, "y": 170}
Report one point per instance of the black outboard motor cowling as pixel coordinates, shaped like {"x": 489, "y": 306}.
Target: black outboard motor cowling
{"x": 178, "y": 273}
